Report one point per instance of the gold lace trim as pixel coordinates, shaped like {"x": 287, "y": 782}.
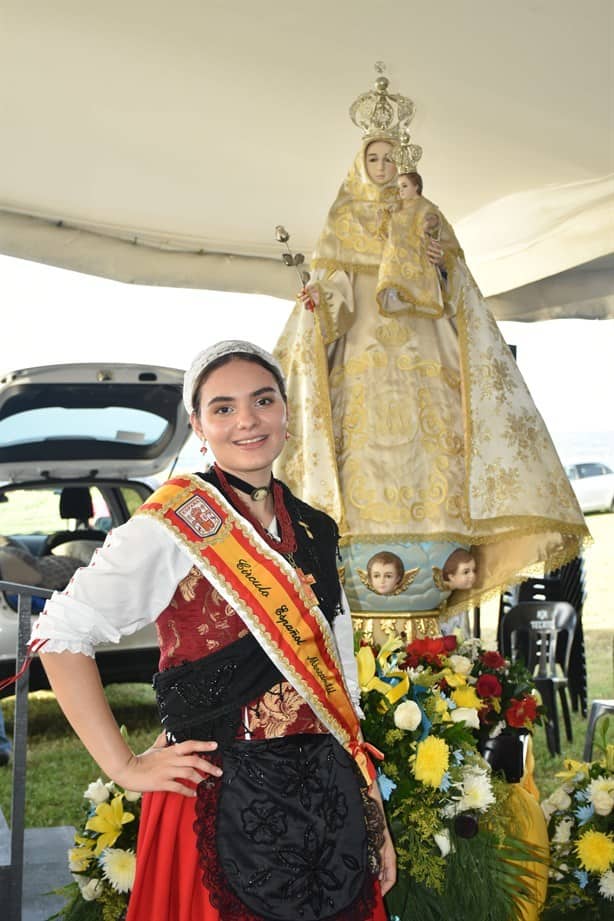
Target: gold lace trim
{"x": 517, "y": 527}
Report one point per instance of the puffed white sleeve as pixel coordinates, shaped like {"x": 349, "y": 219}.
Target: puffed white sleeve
{"x": 129, "y": 581}
{"x": 344, "y": 636}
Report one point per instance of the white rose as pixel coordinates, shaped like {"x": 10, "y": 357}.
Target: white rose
{"x": 563, "y": 831}
{"x": 91, "y": 889}
{"x": 602, "y": 802}
{"x": 407, "y": 715}
{"x": 132, "y": 796}
{"x": 601, "y": 790}
{"x": 97, "y": 792}
{"x": 560, "y": 800}
{"x": 468, "y": 715}
{"x": 442, "y": 840}
{"x": 460, "y": 664}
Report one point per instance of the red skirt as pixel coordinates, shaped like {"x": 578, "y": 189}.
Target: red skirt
{"x": 168, "y": 884}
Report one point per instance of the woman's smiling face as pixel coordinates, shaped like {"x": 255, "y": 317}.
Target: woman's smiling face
{"x": 242, "y": 417}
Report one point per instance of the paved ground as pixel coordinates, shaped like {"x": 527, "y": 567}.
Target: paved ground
{"x": 46, "y": 867}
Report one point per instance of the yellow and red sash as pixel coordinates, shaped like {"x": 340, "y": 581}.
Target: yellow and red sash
{"x": 280, "y": 609}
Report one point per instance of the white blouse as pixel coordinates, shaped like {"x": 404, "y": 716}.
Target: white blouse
{"x": 129, "y": 582}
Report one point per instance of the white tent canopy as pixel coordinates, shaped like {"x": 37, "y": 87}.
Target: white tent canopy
{"x": 161, "y": 144}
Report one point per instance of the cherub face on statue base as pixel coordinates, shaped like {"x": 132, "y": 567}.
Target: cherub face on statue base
{"x": 386, "y": 574}
{"x": 384, "y": 578}
{"x": 459, "y": 571}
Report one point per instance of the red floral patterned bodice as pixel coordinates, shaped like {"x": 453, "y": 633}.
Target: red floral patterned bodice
{"x": 199, "y": 621}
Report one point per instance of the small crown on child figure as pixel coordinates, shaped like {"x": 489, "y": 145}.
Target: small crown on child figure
{"x": 406, "y": 156}
{"x": 379, "y": 113}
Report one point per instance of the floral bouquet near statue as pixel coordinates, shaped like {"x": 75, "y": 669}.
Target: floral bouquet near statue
{"x": 102, "y": 860}
{"x": 580, "y": 815}
{"x": 427, "y": 706}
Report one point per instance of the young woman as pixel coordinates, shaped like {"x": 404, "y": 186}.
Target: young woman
{"x": 257, "y": 802}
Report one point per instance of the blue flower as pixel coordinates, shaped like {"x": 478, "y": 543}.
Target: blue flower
{"x": 582, "y": 796}
{"x": 386, "y": 785}
{"x": 446, "y": 782}
{"x": 584, "y": 813}
{"x": 582, "y": 877}
{"x": 458, "y": 755}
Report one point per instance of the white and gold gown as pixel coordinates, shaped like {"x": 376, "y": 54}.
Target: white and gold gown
{"x": 410, "y": 422}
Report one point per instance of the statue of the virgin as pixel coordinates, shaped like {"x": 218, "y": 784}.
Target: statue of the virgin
{"x": 410, "y": 422}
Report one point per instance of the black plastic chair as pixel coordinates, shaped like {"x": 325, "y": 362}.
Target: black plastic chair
{"x": 531, "y": 632}
{"x": 599, "y": 708}
{"x": 565, "y": 584}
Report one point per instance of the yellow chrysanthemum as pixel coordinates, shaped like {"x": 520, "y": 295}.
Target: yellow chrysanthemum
{"x": 431, "y": 761}
{"x": 108, "y": 822}
{"x": 595, "y": 851}
{"x": 467, "y": 697}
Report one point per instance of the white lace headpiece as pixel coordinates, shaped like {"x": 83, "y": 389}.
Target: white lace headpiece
{"x": 227, "y": 347}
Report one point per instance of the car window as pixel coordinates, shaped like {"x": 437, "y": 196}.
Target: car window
{"x": 30, "y": 511}
{"x": 108, "y": 423}
{"x": 37, "y": 511}
{"x": 586, "y": 470}
{"x": 571, "y": 472}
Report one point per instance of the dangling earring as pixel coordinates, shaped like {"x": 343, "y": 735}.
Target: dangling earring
{"x": 203, "y": 448}
{"x": 287, "y": 435}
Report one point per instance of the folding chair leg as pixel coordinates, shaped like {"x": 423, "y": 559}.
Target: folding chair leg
{"x": 566, "y": 713}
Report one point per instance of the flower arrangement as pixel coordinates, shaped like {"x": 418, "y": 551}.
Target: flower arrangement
{"x": 103, "y": 861}
{"x": 580, "y": 815}
{"x": 426, "y": 706}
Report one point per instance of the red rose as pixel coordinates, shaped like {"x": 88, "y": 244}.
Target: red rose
{"x": 492, "y": 660}
{"x": 426, "y": 651}
{"x": 488, "y": 686}
{"x": 520, "y": 712}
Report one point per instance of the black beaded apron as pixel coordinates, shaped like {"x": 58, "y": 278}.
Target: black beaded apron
{"x": 285, "y": 827}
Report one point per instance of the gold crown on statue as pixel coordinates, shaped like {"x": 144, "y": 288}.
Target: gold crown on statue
{"x": 379, "y": 113}
{"x": 406, "y": 155}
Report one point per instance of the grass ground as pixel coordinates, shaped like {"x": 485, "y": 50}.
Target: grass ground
{"x": 59, "y": 769}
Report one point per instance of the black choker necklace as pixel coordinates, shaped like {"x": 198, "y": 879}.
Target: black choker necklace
{"x": 256, "y": 493}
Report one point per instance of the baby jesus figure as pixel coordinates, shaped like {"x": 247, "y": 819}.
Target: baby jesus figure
{"x": 408, "y": 281}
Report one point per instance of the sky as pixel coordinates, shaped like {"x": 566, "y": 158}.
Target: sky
{"x": 53, "y": 316}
